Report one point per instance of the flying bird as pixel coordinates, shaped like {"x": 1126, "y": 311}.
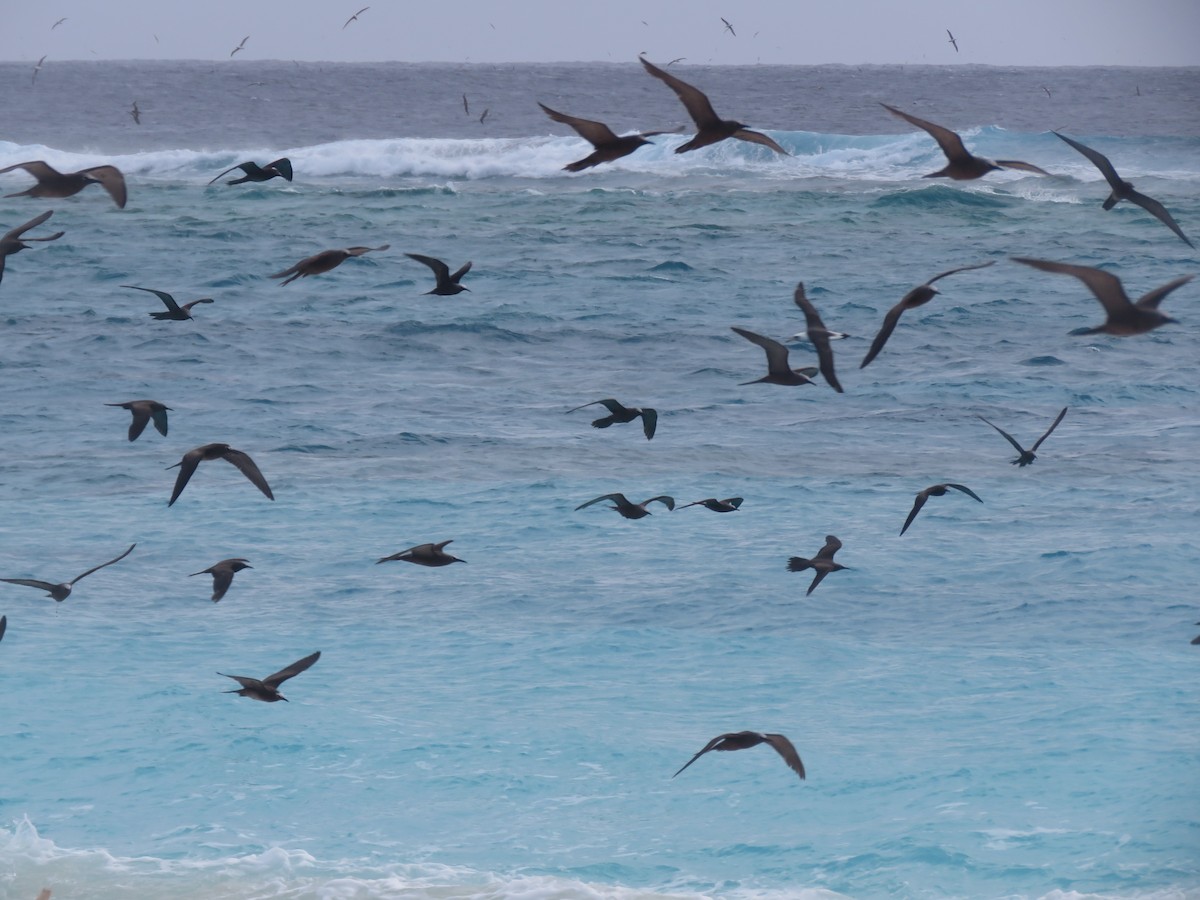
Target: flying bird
{"x": 3, "y": 625}
{"x": 730, "y": 504}
{"x": 607, "y": 145}
{"x": 1027, "y": 456}
{"x": 432, "y": 555}
{"x": 743, "y": 740}
{"x": 484, "y": 115}
{"x": 710, "y": 128}
{"x": 174, "y": 310}
{"x": 323, "y": 262}
{"x": 222, "y": 574}
{"x": 630, "y": 510}
{"x": 819, "y": 336}
{"x": 59, "y": 22}
{"x": 619, "y": 415}
{"x": 822, "y": 563}
{"x": 239, "y": 46}
{"x": 61, "y": 592}
{"x": 918, "y": 296}
{"x": 354, "y": 18}
{"x": 778, "y": 371}
{"x": 135, "y": 114}
{"x": 52, "y": 183}
{"x": 145, "y": 411}
{"x": 1124, "y": 318}
{"x": 936, "y": 490}
{"x": 12, "y": 241}
{"x": 466, "y": 106}
{"x": 252, "y": 171}
{"x": 728, "y": 27}
{"x": 447, "y": 284}
{"x": 193, "y": 458}
{"x": 960, "y": 164}
{"x": 37, "y": 69}
{"x": 952, "y": 40}
{"x": 1123, "y": 190}
{"x": 267, "y": 690}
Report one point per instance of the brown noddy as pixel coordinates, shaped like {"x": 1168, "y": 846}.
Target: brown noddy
{"x": 135, "y": 114}
{"x": 52, "y": 183}
{"x": 267, "y": 690}
{"x": 961, "y": 165}
{"x": 630, "y": 510}
{"x": 607, "y": 145}
{"x": 145, "y": 411}
{"x": 12, "y": 242}
{"x": 778, "y": 371}
{"x": 936, "y": 490}
{"x": 819, "y": 336}
{"x": 61, "y": 592}
{"x": 239, "y": 46}
{"x": 952, "y": 40}
{"x": 354, "y": 18}
{"x": 447, "y": 284}
{"x": 619, "y": 415}
{"x": 222, "y": 574}
{"x": 174, "y": 310}
{"x": 323, "y": 262}
{"x": 743, "y": 740}
{"x": 822, "y": 563}
{"x": 730, "y": 504}
{"x": 252, "y": 171}
{"x": 193, "y": 458}
{"x": 1027, "y": 456}
{"x": 432, "y": 555}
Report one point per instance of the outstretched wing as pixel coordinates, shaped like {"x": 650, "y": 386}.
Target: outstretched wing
{"x": 441, "y": 271}
{"x": 777, "y": 354}
{"x": 787, "y": 750}
{"x": 291, "y": 671}
{"x": 757, "y": 137}
{"x": 166, "y": 298}
{"x": 917, "y": 504}
{"x": 966, "y": 490}
{"x": 990, "y": 262}
{"x": 32, "y": 223}
{"x": 1106, "y": 286}
{"x": 31, "y": 582}
{"x": 832, "y": 546}
{"x": 613, "y": 406}
{"x": 111, "y": 180}
{"x": 707, "y": 747}
{"x": 102, "y": 565}
{"x": 1049, "y": 431}
{"x": 885, "y": 332}
{"x": 948, "y": 140}
{"x": 1023, "y": 166}
{"x": 247, "y": 467}
{"x": 241, "y": 166}
{"x": 595, "y": 133}
{"x": 619, "y": 499}
{"x": 1099, "y": 160}
{"x": 37, "y": 169}
{"x": 1155, "y": 297}
{"x": 1004, "y": 434}
{"x": 187, "y": 468}
{"x": 283, "y": 166}
{"x": 818, "y": 336}
{"x": 668, "y": 502}
{"x": 694, "y": 100}
{"x": 649, "y": 422}
{"x": 1149, "y": 204}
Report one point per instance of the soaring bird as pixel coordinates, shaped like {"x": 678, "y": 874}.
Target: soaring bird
{"x": 619, "y": 415}
{"x": 710, "y": 128}
{"x": 432, "y": 555}
{"x": 778, "y": 371}
{"x": 145, "y": 411}
{"x": 960, "y": 164}
{"x": 323, "y": 262}
{"x": 1124, "y": 318}
{"x": 193, "y": 458}
{"x": 174, "y": 310}
{"x": 952, "y": 40}
{"x": 12, "y": 242}
{"x": 819, "y": 336}
{"x": 630, "y": 510}
{"x": 742, "y": 740}
{"x": 61, "y": 592}
{"x": 936, "y": 490}
{"x": 918, "y": 296}
{"x": 267, "y": 690}
{"x": 606, "y": 144}
{"x": 447, "y": 285}
{"x": 135, "y": 114}
{"x": 822, "y": 563}
{"x": 52, "y": 183}
{"x": 728, "y": 27}
{"x": 354, "y": 18}
{"x": 730, "y": 504}
{"x": 239, "y": 46}
{"x": 1027, "y": 456}
{"x": 252, "y": 171}
{"x": 37, "y": 69}
{"x": 223, "y": 573}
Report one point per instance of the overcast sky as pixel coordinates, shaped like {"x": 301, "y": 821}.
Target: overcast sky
{"x": 1010, "y": 33}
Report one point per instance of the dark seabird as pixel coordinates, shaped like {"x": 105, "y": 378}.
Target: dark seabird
{"x": 3, "y": 625}
{"x": 143, "y": 412}
{"x": 61, "y": 592}
{"x": 193, "y": 458}
{"x": 743, "y": 740}
{"x": 778, "y": 371}
{"x": 239, "y": 46}
{"x": 728, "y": 27}
{"x": 484, "y": 115}
{"x": 267, "y": 690}
{"x": 918, "y": 296}
{"x": 819, "y": 336}
{"x": 952, "y": 40}
{"x": 822, "y": 563}
{"x": 447, "y": 284}
{"x": 630, "y": 510}
{"x": 37, "y": 69}
{"x": 323, "y": 262}
{"x": 606, "y": 143}
{"x": 1027, "y": 456}
{"x": 710, "y": 128}
{"x": 12, "y": 242}
{"x": 937, "y": 490}
{"x": 252, "y": 171}
{"x": 424, "y": 555}
{"x": 354, "y": 18}
{"x": 59, "y": 22}
{"x": 730, "y": 504}
{"x": 52, "y": 183}
{"x": 174, "y": 310}
{"x": 960, "y": 164}
{"x": 619, "y": 415}
{"x": 466, "y": 106}
{"x": 1123, "y": 190}
{"x": 222, "y": 574}
{"x": 135, "y": 114}
{"x": 1124, "y": 318}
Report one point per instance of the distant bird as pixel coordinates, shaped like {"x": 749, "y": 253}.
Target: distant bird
{"x": 1048, "y": 94}
{"x": 630, "y": 510}
{"x": 59, "y": 22}
{"x": 447, "y": 284}
{"x": 936, "y": 490}
{"x": 466, "y": 106}
{"x": 267, "y": 690}
{"x": 1124, "y": 318}
{"x": 354, "y": 18}
{"x": 822, "y": 563}
{"x": 239, "y": 46}
{"x": 677, "y": 59}
{"x": 432, "y": 555}
{"x": 222, "y": 574}
{"x": 37, "y": 69}
{"x": 12, "y": 242}
{"x": 778, "y": 371}
{"x": 728, "y": 27}
{"x": 607, "y": 145}
{"x": 52, "y": 183}
{"x": 918, "y": 296}
{"x": 722, "y": 506}
{"x": 61, "y": 592}
{"x": 280, "y": 168}
{"x": 743, "y": 740}
{"x": 174, "y": 310}
{"x": 145, "y": 411}
{"x": 819, "y": 336}
{"x": 1123, "y": 190}
{"x": 3, "y": 625}
{"x": 620, "y": 415}
{"x": 960, "y": 164}
{"x": 323, "y": 262}
{"x": 135, "y": 114}
{"x": 1027, "y": 456}
{"x": 710, "y": 128}
{"x": 193, "y": 458}
{"x": 952, "y": 40}
{"x": 484, "y": 115}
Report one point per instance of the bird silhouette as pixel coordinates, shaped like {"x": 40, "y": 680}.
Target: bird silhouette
{"x": 619, "y": 415}
{"x": 778, "y": 371}
{"x": 1027, "y": 456}
{"x": 62, "y": 591}
{"x": 323, "y": 262}
{"x": 193, "y": 458}
{"x": 447, "y": 285}
{"x": 222, "y": 574}
{"x": 3, "y": 626}
{"x": 822, "y": 563}
{"x": 174, "y": 310}
{"x": 819, "y": 336}
{"x": 730, "y": 504}
{"x": 960, "y": 164}
{"x": 630, "y": 510}
{"x": 13, "y": 242}
{"x": 354, "y": 18}
{"x": 239, "y": 46}
{"x": 267, "y": 690}
{"x": 952, "y": 40}
{"x": 145, "y": 411}
{"x": 55, "y": 184}
{"x": 936, "y": 490}
{"x": 135, "y": 114}
{"x": 432, "y": 555}
{"x": 743, "y": 740}
{"x": 606, "y": 144}
{"x": 252, "y": 171}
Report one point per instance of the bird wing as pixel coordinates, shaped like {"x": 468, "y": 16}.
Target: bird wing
{"x": 166, "y": 298}
{"x": 141, "y": 418}
{"x": 1023, "y": 166}
{"x": 359, "y": 251}
{"x": 294, "y": 270}
{"x": 1106, "y": 286}
{"x": 187, "y": 468}
{"x": 735, "y": 502}
{"x": 441, "y": 271}
{"x": 613, "y": 406}
{"x": 818, "y": 336}
{"x": 917, "y": 504}
{"x": 1099, "y": 160}
{"x": 966, "y": 490}
{"x": 1149, "y": 204}
{"x": 1049, "y": 430}
{"x": 102, "y": 565}
{"x": 694, "y": 100}
{"x": 668, "y": 502}
{"x": 832, "y": 546}
{"x": 709, "y": 746}
{"x": 442, "y": 545}
{"x": 32, "y": 223}
{"x": 757, "y": 137}
{"x": 463, "y": 270}
{"x": 291, "y": 671}
{"x": 817, "y": 579}
{"x": 940, "y": 275}
{"x": 283, "y": 166}
{"x": 948, "y": 140}
{"x": 37, "y": 169}
{"x": 159, "y": 415}
{"x": 787, "y": 750}
{"x": 1008, "y": 437}
{"x": 777, "y": 354}
{"x": 111, "y": 180}
{"x": 31, "y": 582}
{"x": 226, "y": 172}
{"x": 222, "y": 579}
{"x": 3, "y": 625}
{"x": 1155, "y": 297}
{"x": 649, "y": 422}
{"x": 245, "y": 681}
{"x": 885, "y": 332}
{"x": 247, "y": 467}
{"x": 595, "y": 133}
{"x": 619, "y": 499}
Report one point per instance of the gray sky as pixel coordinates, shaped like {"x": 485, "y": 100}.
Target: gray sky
{"x": 1011, "y": 33}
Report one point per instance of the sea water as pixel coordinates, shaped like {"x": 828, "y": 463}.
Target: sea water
{"x": 1000, "y": 703}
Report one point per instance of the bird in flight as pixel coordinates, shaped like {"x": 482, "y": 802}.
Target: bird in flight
{"x": 354, "y": 18}
{"x": 730, "y": 504}
{"x": 252, "y": 171}
{"x": 728, "y": 27}
{"x": 135, "y": 114}
{"x": 447, "y": 284}
{"x": 222, "y": 574}
{"x": 62, "y": 591}
{"x": 59, "y": 22}
{"x": 952, "y": 40}
{"x": 239, "y": 46}
{"x": 267, "y": 690}
{"x": 174, "y": 310}
{"x": 193, "y": 458}
{"x": 1027, "y": 456}
{"x": 606, "y": 144}
{"x": 145, "y": 411}
{"x": 630, "y": 510}
{"x": 619, "y": 415}
{"x": 12, "y": 242}
{"x": 52, "y": 183}
{"x": 822, "y": 563}
{"x": 432, "y": 555}
{"x": 742, "y": 740}
{"x": 961, "y": 165}
{"x": 818, "y": 336}
{"x": 323, "y": 262}
{"x": 937, "y": 490}
{"x": 37, "y": 69}
{"x": 778, "y": 371}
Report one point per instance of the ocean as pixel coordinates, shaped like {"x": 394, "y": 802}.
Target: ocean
{"x": 1001, "y": 703}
